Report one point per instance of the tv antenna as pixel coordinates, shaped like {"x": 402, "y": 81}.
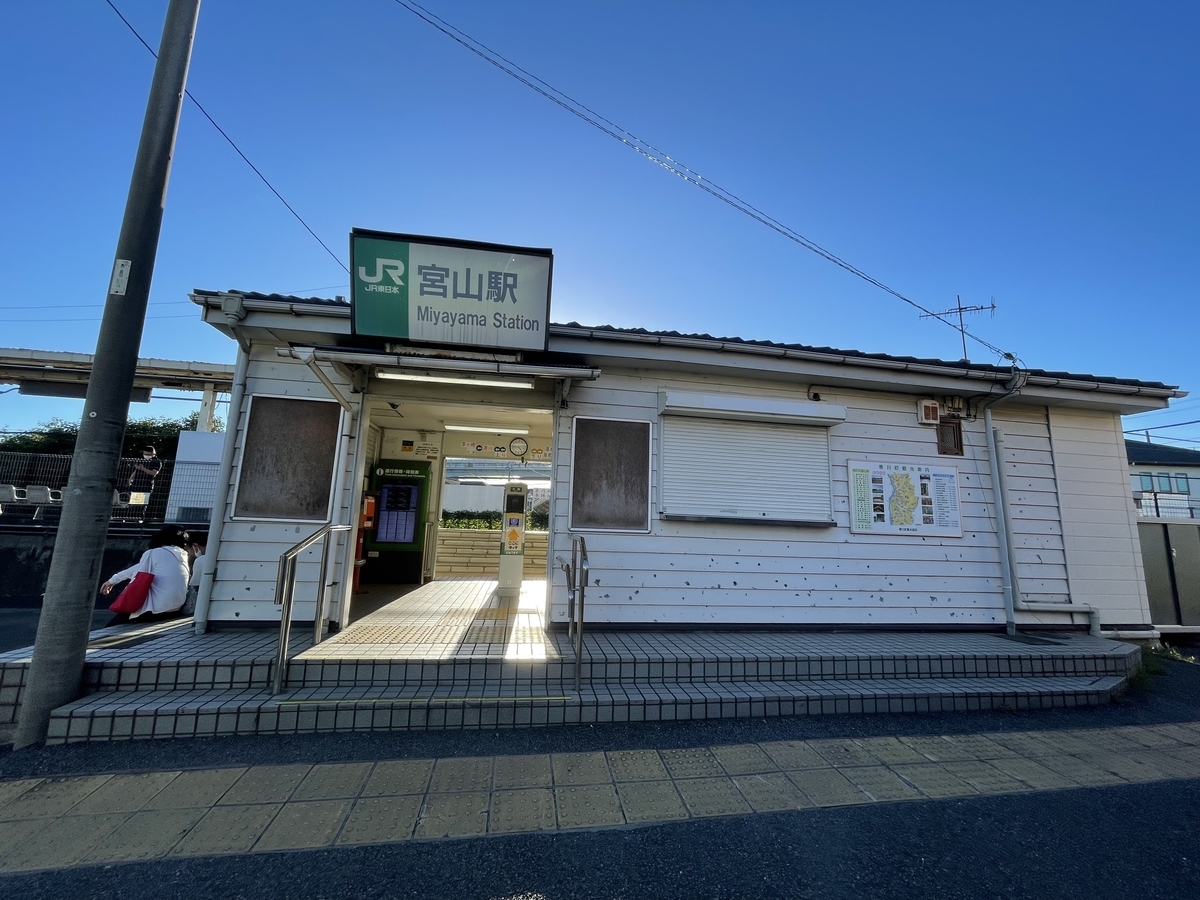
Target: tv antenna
{"x": 958, "y": 310}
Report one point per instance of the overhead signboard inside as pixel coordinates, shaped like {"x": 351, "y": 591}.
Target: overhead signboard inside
{"x": 444, "y": 291}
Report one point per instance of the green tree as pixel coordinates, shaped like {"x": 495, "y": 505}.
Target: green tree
{"x": 58, "y": 436}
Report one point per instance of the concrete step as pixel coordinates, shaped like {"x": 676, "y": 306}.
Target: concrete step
{"x": 125, "y": 715}
{"x": 638, "y": 658}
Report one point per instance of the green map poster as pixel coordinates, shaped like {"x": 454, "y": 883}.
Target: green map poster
{"x": 902, "y": 498}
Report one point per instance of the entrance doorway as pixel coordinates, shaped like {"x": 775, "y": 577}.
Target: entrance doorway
{"x": 428, "y": 547}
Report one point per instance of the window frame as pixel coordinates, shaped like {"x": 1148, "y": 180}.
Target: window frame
{"x": 244, "y": 425}
{"x": 959, "y": 447}
{"x": 585, "y": 529}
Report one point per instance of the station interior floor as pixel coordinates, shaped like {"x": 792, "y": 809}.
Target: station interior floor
{"x": 451, "y": 617}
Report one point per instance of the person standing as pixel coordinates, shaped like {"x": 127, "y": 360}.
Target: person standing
{"x": 142, "y": 480}
{"x": 166, "y": 558}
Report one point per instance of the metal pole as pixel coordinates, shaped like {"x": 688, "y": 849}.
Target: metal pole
{"x": 994, "y": 461}
{"x": 61, "y": 643}
{"x": 285, "y": 585}
{"x": 319, "y": 617}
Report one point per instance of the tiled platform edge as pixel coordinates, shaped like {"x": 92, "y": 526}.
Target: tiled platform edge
{"x": 619, "y": 658}
{"x": 125, "y": 715}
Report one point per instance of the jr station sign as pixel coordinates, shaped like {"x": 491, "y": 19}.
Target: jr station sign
{"x": 445, "y": 291}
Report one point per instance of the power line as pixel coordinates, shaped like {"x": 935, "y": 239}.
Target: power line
{"x": 1160, "y": 427}
{"x": 660, "y": 158}
{"x": 236, "y": 148}
{"x": 323, "y": 287}
{"x": 89, "y": 305}
{"x": 1185, "y": 440}
{"x": 88, "y": 319}
{"x": 1174, "y": 407}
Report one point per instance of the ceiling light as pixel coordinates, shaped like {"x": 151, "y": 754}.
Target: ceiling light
{"x": 466, "y": 380}
{"x": 487, "y": 429}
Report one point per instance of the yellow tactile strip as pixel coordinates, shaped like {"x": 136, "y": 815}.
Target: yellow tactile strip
{"x": 81, "y": 820}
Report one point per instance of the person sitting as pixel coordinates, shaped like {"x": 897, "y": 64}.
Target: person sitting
{"x": 167, "y": 560}
{"x": 196, "y": 553}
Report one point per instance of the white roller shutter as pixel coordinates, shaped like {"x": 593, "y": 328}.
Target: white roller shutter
{"x": 748, "y": 471}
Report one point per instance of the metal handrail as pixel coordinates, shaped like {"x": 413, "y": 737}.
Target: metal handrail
{"x": 285, "y": 590}
{"x": 577, "y": 575}
{"x": 582, "y": 575}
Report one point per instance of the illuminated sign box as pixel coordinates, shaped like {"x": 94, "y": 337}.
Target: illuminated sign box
{"x": 445, "y": 291}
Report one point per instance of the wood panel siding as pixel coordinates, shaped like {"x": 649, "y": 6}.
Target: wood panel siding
{"x": 712, "y": 572}
{"x": 1103, "y": 555}
{"x": 247, "y": 560}
{"x": 1033, "y": 503}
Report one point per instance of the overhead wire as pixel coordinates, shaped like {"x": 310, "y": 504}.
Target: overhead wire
{"x": 236, "y": 148}
{"x": 85, "y": 319}
{"x": 660, "y": 158}
{"x": 1160, "y": 427}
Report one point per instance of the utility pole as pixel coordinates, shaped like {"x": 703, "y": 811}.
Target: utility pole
{"x": 61, "y": 643}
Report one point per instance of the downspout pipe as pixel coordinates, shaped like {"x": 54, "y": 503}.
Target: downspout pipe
{"x": 1013, "y": 600}
{"x": 224, "y": 476}
{"x": 1003, "y": 524}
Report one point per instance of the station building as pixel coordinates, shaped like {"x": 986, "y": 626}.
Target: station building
{"x": 718, "y": 482}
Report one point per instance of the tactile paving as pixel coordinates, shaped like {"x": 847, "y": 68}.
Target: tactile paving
{"x": 587, "y": 807}
{"x": 529, "y": 809}
{"x": 694, "y": 762}
{"x": 636, "y": 765}
{"x": 650, "y": 801}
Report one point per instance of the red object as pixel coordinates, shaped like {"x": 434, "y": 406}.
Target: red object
{"x": 365, "y": 523}
{"x": 134, "y": 596}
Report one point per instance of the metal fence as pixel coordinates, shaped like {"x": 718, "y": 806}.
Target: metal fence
{"x": 1158, "y": 505}
{"x": 31, "y": 486}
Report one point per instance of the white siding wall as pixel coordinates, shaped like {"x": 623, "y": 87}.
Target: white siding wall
{"x": 1104, "y": 556}
{"x": 697, "y": 572}
{"x": 248, "y": 558}
{"x": 1033, "y": 502}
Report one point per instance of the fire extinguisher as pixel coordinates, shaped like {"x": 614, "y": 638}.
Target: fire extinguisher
{"x": 366, "y": 522}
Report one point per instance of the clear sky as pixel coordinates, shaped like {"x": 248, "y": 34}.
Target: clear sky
{"x": 1042, "y": 154}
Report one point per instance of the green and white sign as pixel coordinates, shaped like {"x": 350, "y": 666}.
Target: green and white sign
{"x": 441, "y": 291}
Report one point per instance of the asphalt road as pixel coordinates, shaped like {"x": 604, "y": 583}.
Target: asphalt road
{"x": 1138, "y": 841}
{"x": 18, "y": 627}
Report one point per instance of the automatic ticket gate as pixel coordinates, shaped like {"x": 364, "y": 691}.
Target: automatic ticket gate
{"x": 512, "y": 541}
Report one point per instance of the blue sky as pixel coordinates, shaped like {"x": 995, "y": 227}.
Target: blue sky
{"x": 1043, "y": 154}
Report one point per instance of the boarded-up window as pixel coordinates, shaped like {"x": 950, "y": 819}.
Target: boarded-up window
{"x": 610, "y": 475}
{"x": 287, "y": 459}
{"x": 745, "y": 471}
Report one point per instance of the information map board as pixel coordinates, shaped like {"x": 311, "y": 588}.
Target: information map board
{"x": 902, "y": 498}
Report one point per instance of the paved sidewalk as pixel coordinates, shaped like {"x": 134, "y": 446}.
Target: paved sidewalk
{"x": 85, "y": 820}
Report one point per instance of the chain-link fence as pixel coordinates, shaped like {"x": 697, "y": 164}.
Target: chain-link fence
{"x": 31, "y": 486}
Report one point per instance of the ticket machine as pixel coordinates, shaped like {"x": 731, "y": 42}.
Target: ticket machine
{"x": 512, "y": 541}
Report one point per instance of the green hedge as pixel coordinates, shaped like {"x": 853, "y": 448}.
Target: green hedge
{"x": 489, "y": 520}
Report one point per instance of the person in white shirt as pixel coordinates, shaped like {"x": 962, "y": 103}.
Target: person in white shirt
{"x": 196, "y": 553}
{"x": 167, "y": 560}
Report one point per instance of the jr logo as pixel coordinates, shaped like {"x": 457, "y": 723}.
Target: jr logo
{"x": 393, "y": 267}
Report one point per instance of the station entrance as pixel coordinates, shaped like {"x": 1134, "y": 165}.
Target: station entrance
{"x": 450, "y": 553}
